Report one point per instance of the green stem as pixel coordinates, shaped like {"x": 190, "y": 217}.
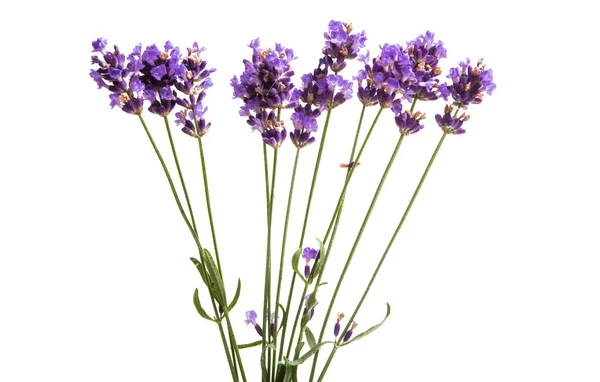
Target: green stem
{"x": 192, "y": 231}
{"x": 389, "y": 246}
{"x": 304, "y": 225}
{"x": 336, "y": 214}
{"x": 315, "y": 173}
{"x": 170, "y": 180}
{"x": 355, "y": 246}
{"x": 208, "y": 204}
{"x": 267, "y": 187}
{"x": 234, "y": 345}
{"x": 185, "y": 193}
{"x": 281, "y": 259}
{"x": 267, "y": 288}
{"x": 349, "y": 176}
{"x": 232, "y": 340}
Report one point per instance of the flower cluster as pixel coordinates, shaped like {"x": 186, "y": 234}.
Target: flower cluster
{"x": 341, "y": 44}
{"x": 265, "y": 85}
{"x": 467, "y": 87}
{"x": 155, "y": 76}
{"x": 168, "y": 81}
{"x": 387, "y": 80}
{"x": 425, "y": 54}
{"x": 399, "y": 73}
{"x": 469, "y": 83}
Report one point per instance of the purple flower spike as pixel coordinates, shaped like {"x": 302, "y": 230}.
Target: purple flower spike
{"x": 409, "y": 123}
{"x": 336, "y": 328}
{"x": 305, "y": 123}
{"x": 449, "y": 124}
{"x": 469, "y": 83}
{"x": 122, "y": 79}
{"x": 274, "y": 137}
{"x": 425, "y": 54}
{"x": 272, "y": 131}
{"x": 160, "y": 71}
{"x": 348, "y": 334}
{"x": 309, "y": 254}
{"x": 266, "y": 80}
{"x": 251, "y": 319}
{"x": 387, "y": 80}
{"x": 341, "y": 44}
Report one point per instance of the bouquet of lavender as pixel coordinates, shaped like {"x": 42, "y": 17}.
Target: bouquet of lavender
{"x": 170, "y": 82}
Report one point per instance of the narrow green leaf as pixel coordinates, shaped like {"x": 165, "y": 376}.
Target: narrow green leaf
{"x": 307, "y": 355}
{"x": 318, "y": 267}
{"x": 298, "y": 349}
{"x": 371, "y": 329}
{"x": 236, "y": 297}
{"x": 215, "y": 278}
{"x": 295, "y": 262}
{"x": 200, "y": 269}
{"x": 310, "y": 337}
{"x": 250, "y": 345}
{"x": 199, "y": 308}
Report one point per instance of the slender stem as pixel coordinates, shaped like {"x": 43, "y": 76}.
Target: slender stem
{"x": 194, "y": 235}
{"x": 355, "y": 246}
{"x": 267, "y": 187}
{"x": 335, "y": 216}
{"x": 304, "y": 225}
{"x": 231, "y": 362}
{"x": 349, "y": 176}
{"x": 268, "y": 197}
{"x": 389, "y": 246}
{"x": 170, "y": 180}
{"x": 351, "y": 160}
{"x": 208, "y": 204}
{"x": 267, "y": 288}
{"x": 360, "y": 121}
{"x": 234, "y": 344}
{"x": 185, "y": 193}
{"x": 314, "y": 179}
{"x": 281, "y": 259}
{"x": 232, "y": 340}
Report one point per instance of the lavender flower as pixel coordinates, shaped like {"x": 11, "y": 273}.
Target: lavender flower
{"x": 251, "y": 319}
{"x": 194, "y": 81}
{"x": 325, "y": 91}
{"x": 469, "y": 83}
{"x": 195, "y": 78}
{"x": 341, "y": 44}
{"x": 121, "y": 80}
{"x": 272, "y": 131}
{"x": 304, "y": 120}
{"x": 409, "y": 123}
{"x": 309, "y": 254}
{"x": 450, "y": 124}
{"x": 387, "y": 80}
{"x": 161, "y": 70}
{"x": 349, "y": 333}
{"x": 186, "y": 119}
{"x": 266, "y": 80}
{"x": 424, "y": 54}
{"x": 336, "y": 327}
{"x": 266, "y": 84}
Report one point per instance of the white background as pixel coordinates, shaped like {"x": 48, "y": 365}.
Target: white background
{"x": 495, "y": 276}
